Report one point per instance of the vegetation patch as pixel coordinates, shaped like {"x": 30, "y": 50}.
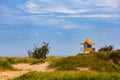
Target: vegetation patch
{"x": 109, "y": 55}
{"x": 5, "y": 65}
{"x": 16, "y": 60}
{"x": 68, "y": 75}
{"x": 37, "y": 61}
{"x": 6, "y": 62}
{"x": 86, "y": 60}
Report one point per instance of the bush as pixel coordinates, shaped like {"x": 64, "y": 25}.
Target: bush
{"x": 115, "y": 56}
{"x": 106, "y": 48}
{"x": 39, "y": 52}
{"x": 5, "y": 65}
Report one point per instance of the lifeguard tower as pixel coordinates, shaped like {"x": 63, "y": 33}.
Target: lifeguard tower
{"x": 88, "y": 46}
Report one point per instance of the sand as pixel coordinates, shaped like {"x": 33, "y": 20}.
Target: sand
{"x": 23, "y": 68}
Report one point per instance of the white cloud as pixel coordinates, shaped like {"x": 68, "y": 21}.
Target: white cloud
{"x": 55, "y": 21}
{"x": 53, "y": 7}
{"x": 66, "y": 10}
{"x": 101, "y": 16}
{"x": 37, "y": 8}
{"x": 55, "y": 11}
{"x": 69, "y": 26}
{"x": 32, "y": 7}
{"x": 113, "y": 3}
{"x": 59, "y": 33}
{"x": 76, "y": 26}
{"x": 92, "y": 16}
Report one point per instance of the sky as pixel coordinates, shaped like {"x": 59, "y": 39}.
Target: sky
{"x": 63, "y": 23}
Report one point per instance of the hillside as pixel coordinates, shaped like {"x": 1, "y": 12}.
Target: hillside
{"x": 99, "y": 61}
{"x": 93, "y": 66}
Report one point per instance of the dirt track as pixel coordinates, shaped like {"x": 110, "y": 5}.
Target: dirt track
{"x": 24, "y": 68}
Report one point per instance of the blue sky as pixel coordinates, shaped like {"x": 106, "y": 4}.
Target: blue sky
{"x": 62, "y": 23}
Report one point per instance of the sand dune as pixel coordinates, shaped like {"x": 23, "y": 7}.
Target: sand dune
{"x": 24, "y": 68}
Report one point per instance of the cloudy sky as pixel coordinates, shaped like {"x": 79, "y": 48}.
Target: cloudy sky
{"x": 62, "y": 23}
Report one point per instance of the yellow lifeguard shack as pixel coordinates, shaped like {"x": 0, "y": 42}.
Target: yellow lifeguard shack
{"x": 88, "y": 46}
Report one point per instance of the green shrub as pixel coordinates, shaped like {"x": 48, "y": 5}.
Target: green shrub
{"x": 39, "y": 52}
{"x": 115, "y": 56}
{"x": 106, "y": 48}
{"x": 5, "y": 65}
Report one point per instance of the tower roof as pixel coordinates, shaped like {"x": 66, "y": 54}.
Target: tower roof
{"x": 88, "y": 41}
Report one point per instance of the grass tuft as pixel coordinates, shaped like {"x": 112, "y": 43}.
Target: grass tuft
{"x": 5, "y": 65}
{"x": 37, "y": 61}
{"x": 68, "y": 75}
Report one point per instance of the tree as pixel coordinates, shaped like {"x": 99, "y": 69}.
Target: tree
{"x": 39, "y": 52}
{"x": 106, "y": 48}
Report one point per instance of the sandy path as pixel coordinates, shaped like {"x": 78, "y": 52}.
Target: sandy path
{"x": 24, "y": 68}
{"x": 37, "y": 67}
{"x": 10, "y": 74}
